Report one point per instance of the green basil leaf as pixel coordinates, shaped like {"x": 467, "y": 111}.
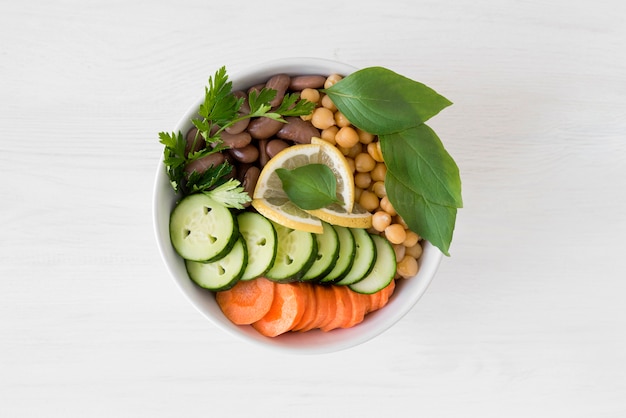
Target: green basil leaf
{"x": 418, "y": 156}
{"x": 310, "y": 186}
{"x": 431, "y": 221}
{"x": 381, "y": 101}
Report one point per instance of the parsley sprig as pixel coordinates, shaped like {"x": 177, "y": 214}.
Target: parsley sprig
{"x": 219, "y": 110}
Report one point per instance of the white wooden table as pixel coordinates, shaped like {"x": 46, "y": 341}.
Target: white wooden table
{"x": 526, "y": 319}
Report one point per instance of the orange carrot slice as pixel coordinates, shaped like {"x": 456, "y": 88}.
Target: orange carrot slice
{"x": 386, "y": 293}
{"x": 310, "y": 307}
{"x": 326, "y": 306}
{"x": 374, "y": 300}
{"x": 360, "y": 303}
{"x": 247, "y": 301}
{"x": 286, "y": 310}
{"x": 343, "y": 311}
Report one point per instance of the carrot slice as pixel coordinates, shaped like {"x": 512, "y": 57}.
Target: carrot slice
{"x": 310, "y": 306}
{"x": 386, "y": 293}
{"x": 343, "y": 311}
{"x": 326, "y": 306}
{"x": 247, "y": 301}
{"x": 374, "y": 301}
{"x": 286, "y": 310}
{"x": 360, "y": 304}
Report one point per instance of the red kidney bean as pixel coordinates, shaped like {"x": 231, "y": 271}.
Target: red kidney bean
{"x": 263, "y": 157}
{"x": 239, "y": 140}
{"x": 275, "y": 146}
{"x": 256, "y": 87}
{"x": 238, "y": 127}
{"x": 202, "y": 164}
{"x": 247, "y": 154}
{"x": 280, "y": 83}
{"x": 263, "y": 128}
{"x": 197, "y": 143}
{"x": 250, "y": 178}
{"x": 297, "y": 130}
{"x": 302, "y": 82}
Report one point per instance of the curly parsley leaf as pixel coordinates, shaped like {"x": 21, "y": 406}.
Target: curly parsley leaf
{"x": 231, "y": 194}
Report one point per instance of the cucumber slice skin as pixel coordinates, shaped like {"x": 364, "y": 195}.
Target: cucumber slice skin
{"x": 261, "y": 241}
{"x": 345, "y": 259}
{"x": 221, "y": 274}
{"x": 384, "y": 269}
{"x": 364, "y": 258}
{"x": 291, "y": 266}
{"x": 202, "y": 229}
{"x": 327, "y": 254}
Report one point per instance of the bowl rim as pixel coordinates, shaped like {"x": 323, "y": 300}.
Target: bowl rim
{"x": 336, "y": 340}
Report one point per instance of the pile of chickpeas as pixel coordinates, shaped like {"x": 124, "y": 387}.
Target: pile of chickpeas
{"x": 363, "y": 153}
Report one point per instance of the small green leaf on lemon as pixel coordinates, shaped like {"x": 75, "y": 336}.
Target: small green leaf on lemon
{"x": 310, "y": 186}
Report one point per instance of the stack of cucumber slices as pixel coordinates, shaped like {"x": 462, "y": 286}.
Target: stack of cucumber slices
{"x": 221, "y": 247}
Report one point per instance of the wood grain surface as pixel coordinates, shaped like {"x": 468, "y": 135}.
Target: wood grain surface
{"x": 525, "y": 319}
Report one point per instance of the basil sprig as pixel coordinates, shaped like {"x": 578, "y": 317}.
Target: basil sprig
{"x": 423, "y": 181}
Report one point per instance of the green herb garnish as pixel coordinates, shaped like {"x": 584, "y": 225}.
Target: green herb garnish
{"x": 311, "y": 186}
{"x": 220, "y": 110}
{"x": 423, "y": 182}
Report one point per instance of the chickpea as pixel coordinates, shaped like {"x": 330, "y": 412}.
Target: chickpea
{"x": 368, "y": 200}
{"x": 400, "y": 220}
{"x": 373, "y": 149}
{"x": 355, "y": 150}
{"x": 411, "y": 238}
{"x": 408, "y": 267}
{"x": 395, "y": 233}
{"x": 381, "y": 220}
{"x": 327, "y": 102}
{"x": 357, "y": 193}
{"x": 329, "y": 133}
{"x": 400, "y": 251}
{"x": 350, "y": 162}
{"x": 379, "y": 171}
{"x": 331, "y": 80}
{"x": 322, "y": 118}
{"x": 364, "y": 163}
{"x": 379, "y": 189}
{"x": 362, "y": 180}
{"x": 341, "y": 120}
{"x": 365, "y": 137}
{"x": 415, "y": 251}
{"x": 347, "y": 137}
{"x": 312, "y": 95}
{"x": 385, "y": 205}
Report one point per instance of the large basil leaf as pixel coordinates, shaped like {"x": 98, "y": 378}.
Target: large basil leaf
{"x": 431, "y": 221}
{"x": 381, "y": 101}
{"x": 418, "y": 157}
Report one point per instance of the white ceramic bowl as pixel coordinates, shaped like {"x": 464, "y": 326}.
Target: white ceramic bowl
{"x": 407, "y": 292}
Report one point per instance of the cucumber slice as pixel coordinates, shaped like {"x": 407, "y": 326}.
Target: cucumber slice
{"x": 223, "y": 273}
{"x": 347, "y": 249}
{"x": 295, "y": 254}
{"x": 327, "y": 253}
{"x": 364, "y": 257}
{"x": 261, "y": 241}
{"x": 384, "y": 269}
{"x": 202, "y": 229}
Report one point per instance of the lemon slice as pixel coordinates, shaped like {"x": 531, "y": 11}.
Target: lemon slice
{"x": 336, "y": 215}
{"x": 270, "y": 199}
